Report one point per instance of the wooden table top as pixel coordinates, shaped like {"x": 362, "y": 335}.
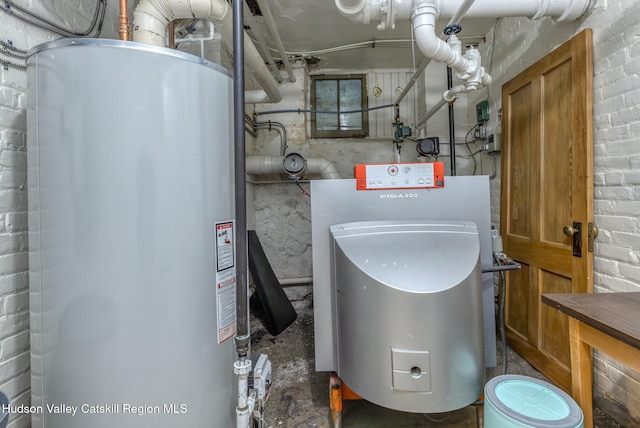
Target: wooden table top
{"x": 617, "y": 314}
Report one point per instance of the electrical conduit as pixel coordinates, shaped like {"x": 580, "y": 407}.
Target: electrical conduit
{"x": 151, "y": 18}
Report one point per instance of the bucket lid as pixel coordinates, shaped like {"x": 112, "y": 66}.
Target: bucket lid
{"x": 534, "y": 402}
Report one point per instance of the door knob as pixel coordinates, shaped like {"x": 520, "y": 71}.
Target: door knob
{"x": 568, "y": 230}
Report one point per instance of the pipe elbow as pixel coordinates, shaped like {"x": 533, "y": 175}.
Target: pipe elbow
{"x": 323, "y": 167}
{"x": 258, "y": 96}
{"x": 433, "y": 47}
{"x": 354, "y": 10}
{"x": 150, "y": 23}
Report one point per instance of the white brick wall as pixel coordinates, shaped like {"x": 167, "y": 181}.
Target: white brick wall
{"x": 616, "y": 34}
{"x": 15, "y": 375}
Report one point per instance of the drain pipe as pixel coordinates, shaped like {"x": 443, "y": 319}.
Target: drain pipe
{"x": 424, "y": 13}
{"x": 467, "y": 66}
{"x": 452, "y": 127}
{"x": 388, "y": 11}
{"x": 151, "y": 18}
{"x": 455, "y": 19}
{"x": 242, "y": 366}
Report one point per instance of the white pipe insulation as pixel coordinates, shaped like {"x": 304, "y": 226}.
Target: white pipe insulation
{"x": 467, "y": 67}
{"x": 368, "y": 11}
{"x": 425, "y": 13}
{"x": 151, "y": 17}
{"x": 264, "y": 164}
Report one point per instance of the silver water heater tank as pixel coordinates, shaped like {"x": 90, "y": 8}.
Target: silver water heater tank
{"x": 408, "y": 308}
{"x": 131, "y": 279}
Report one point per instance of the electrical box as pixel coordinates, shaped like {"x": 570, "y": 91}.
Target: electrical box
{"x": 417, "y": 175}
{"x": 492, "y": 145}
{"x": 482, "y": 111}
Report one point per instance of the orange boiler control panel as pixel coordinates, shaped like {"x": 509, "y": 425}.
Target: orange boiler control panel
{"x": 416, "y": 175}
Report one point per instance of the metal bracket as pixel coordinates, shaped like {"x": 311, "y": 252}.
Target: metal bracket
{"x": 592, "y": 234}
{"x": 577, "y": 239}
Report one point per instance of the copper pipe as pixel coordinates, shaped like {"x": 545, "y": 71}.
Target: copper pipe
{"x": 124, "y": 21}
{"x": 172, "y": 34}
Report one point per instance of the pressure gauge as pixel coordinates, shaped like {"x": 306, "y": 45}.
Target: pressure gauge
{"x": 294, "y": 165}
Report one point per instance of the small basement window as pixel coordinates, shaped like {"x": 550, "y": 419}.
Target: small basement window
{"x": 339, "y": 93}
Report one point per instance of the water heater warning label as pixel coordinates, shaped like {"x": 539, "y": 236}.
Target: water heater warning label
{"x": 225, "y": 281}
{"x": 224, "y": 245}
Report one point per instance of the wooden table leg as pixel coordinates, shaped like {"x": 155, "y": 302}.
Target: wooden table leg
{"x": 581, "y": 372}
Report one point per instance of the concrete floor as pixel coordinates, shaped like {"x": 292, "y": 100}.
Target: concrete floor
{"x": 299, "y": 396}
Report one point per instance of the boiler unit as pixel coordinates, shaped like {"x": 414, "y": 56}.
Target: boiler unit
{"x": 403, "y": 313}
{"x": 408, "y": 298}
{"x": 131, "y": 237}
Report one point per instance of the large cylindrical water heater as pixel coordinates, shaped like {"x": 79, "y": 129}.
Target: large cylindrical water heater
{"x": 131, "y": 206}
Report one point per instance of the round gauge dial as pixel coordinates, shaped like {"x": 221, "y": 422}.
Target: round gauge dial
{"x": 294, "y": 164}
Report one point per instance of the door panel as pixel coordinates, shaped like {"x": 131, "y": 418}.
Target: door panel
{"x": 515, "y": 316}
{"x": 520, "y": 183}
{"x": 555, "y": 116}
{"x": 547, "y": 171}
{"x": 554, "y": 323}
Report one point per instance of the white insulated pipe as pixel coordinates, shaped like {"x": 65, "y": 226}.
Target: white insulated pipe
{"x": 460, "y": 12}
{"x": 255, "y": 29}
{"x": 271, "y": 25}
{"x": 323, "y": 167}
{"x": 368, "y": 11}
{"x": 151, "y": 17}
{"x": 264, "y": 164}
{"x": 424, "y": 26}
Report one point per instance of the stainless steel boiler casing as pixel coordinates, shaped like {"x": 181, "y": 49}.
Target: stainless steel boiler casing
{"x": 408, "y": 302}
{"x": 130, "y": 168}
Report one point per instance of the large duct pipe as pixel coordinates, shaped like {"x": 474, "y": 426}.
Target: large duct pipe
{"x": 151, "y": 18}
{"x": 368, "y": 11}
{"x": 263, "y": 164}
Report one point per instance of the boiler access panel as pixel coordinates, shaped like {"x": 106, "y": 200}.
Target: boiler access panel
{"x": 417, "y": 175}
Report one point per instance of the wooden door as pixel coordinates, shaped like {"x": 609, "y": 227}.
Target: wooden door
{"x": 547, "y": 185}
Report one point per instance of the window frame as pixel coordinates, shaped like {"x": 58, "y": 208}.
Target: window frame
{"x": 338, "y": 133}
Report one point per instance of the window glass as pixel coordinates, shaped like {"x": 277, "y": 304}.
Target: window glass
{"x": 338, "y": 94}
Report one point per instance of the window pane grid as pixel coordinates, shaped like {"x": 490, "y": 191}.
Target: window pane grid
{"x": 338, "y": 94}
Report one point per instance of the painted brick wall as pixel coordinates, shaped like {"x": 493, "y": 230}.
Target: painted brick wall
{"x": 15, "y": 377}
{"x": 616, "y": 34}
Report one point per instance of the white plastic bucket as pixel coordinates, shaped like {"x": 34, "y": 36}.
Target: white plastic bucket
{"x": 515, "y": 401}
